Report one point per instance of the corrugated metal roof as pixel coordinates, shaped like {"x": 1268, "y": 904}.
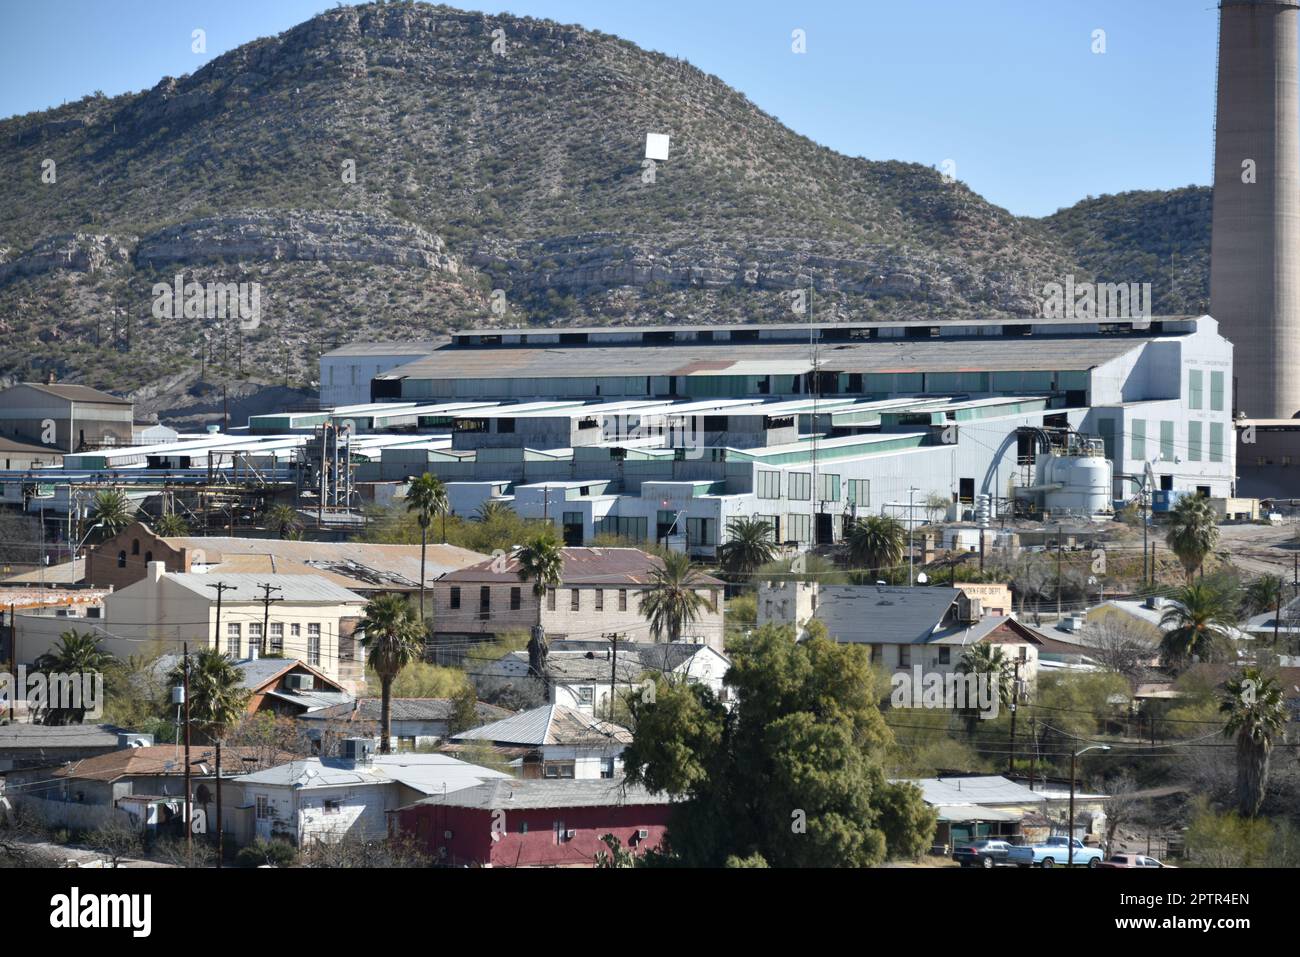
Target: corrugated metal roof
{"x": 77, "y": 393}
{"x": 427, "y": 773}
{"x": 549, "y": 724}
{"x": 362, "y": 349}
{"x": 582, "y": 566}
{"x": 247, "y": 588}
{"x": 967, "y": 791}
{"x": 517, "y": 794}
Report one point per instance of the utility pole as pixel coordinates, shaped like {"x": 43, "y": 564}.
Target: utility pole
{"x": 1015, "y": 696}
{"x": 911, "y": 557}
{"x": 221, "y": 588}
{"x": 220, "y": 832}
{"x": 613, "y": 671}
{"x": 1033, "y": 754}
{"x": 188, "y": 816}
{"x": 13, "y": 656}
{"x": 266, "y": 613}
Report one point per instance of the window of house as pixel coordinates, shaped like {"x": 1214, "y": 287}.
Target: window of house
{"x": 1216, "y": 441}
{"x": 550, "y": 599}
{"x": 1195, "y": 389}
{"x": 263, "y": 805}
{"x": 1139, "y": 439}
{"x": 484, "y": 602}
{"x": 559, "y": 831}
{"x": 135, "y": 546}
{"x": 701, "y": 531}
{"x": 800, "y": 486}
{"x": 904, "y": 656}
{"x": 233, "y": 635}
{"x": 121, "y": 558}
{"x": 606, "y": 767}
{"x": 945, "y": 656}
{"x": 587, "y": 695}
{"x": 622, "y": 599}
{"x": 277, "y": 637}
{"x": 1193, "y": 441}
{"x": 575, "y": 599}
{"x": 254, "y": 635}
{"x": 332, "y": 806}
{"x": 558, "y": 769}
{"x": 313, "y": 643}
{"x": 1167, "y": 441}
{"x": 516, "y": 599}
{"x": 600, "y": 599}
{"x": 828, "y": 487}
{"x": 799, "y": 527}
{"x": 454, "y": 597}
{"x": 148, "y": 557}
{"x": 768, "y": 484}
{"x": 295, "y": 630}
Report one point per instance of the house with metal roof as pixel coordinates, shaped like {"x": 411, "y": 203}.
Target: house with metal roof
{"x": 553, "y": 741}
{"x": 64, "y": 418}
{"x": 416, "y": 722}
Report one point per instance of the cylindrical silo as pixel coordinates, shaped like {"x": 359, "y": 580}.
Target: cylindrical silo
{"x": 1255, "y": 245}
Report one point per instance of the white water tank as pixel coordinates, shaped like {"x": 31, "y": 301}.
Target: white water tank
{"x": 1084, "y": 484}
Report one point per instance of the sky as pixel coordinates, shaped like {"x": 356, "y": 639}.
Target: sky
{"x": 1013, "y": 97}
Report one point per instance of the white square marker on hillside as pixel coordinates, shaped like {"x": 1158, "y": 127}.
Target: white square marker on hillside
{"x": 656, "y": 146}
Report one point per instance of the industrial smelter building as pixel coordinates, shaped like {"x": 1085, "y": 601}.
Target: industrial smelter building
{"x": 666, "y": 434}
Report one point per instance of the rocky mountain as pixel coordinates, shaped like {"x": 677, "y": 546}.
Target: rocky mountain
{"x": 379, "y": 171}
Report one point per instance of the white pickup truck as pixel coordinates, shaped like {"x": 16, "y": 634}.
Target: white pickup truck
{"x": 1054, "y": 851}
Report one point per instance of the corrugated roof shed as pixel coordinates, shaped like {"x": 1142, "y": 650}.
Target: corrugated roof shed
{"x": 518, "y": 794}
{"x": 549, "y": 724}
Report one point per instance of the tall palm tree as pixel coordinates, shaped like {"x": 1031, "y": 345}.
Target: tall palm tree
{"x": 492, "y": 509}
{"x": 672, "y": 602}
{"x": 284, "y": 519}
{"x": 217, "y": 694}
{"x": 541, "y": 562}
{"x": 1266, "y": 594}
{"x": 990, "y": 662}
{"x": 112, "y": 511}
{"x": 77, "y": 654}
{"x": 1193, "y": 532}
{"x": 1198, "y": 622}
{"x": 751, "y": 544}
{"x": 1257, "y": 716}
{"x": 876, "y": 542}
{"x": 394, "y": 638}
{"x": 171, "y": 525}
{"x": 426, "y": 497}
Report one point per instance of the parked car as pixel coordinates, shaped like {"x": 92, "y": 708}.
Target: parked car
{"x": 986, "y": 853}
{"x": 1132, "y": 860}
{"x": 1055, "y": 851}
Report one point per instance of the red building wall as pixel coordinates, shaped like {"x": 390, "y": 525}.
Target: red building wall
{"x": 541, "y": 844}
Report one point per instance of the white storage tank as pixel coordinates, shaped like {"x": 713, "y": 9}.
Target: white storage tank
{"x": 1079, "y": 485}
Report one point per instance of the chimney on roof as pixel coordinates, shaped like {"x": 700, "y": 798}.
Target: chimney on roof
{"x": 50, "y": 378}
{"x": 154, "y": 571}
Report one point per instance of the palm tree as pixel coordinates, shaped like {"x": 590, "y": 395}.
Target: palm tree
{"x": 217, "y": 695}
{"x": 990, "y": 662}
{"x": 1198, "y": 622}
{"x": 76, "y": 655}
{"x": 876, "y": 542}
{"x": 427, "y": 496}
{"x": 284, "y": 519}
{"x": 542, "y": 562}
{"x": 394, "y": 638}
{"x": 1265, "y": 594}
{"x": 750, "y": 545}
{"x": 1257, "y": 716}
{"x": 492, "y": 509}
{"x": 672, "y": 602}
{"x": 112, "y": 511}
{"x": 1193, "y": 531}
{"x": 171, "y": 525}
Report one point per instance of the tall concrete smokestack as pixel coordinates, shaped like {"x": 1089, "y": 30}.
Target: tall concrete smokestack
{"x": 1255, "y": 244}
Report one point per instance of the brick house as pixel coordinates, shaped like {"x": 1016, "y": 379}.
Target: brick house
{"x": 535, "y": 823}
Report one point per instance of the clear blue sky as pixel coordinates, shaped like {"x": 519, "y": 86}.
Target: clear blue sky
{"x": 1009, "y": 90}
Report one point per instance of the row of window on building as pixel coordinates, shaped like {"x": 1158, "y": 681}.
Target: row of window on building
{"x": 275, "y": 639}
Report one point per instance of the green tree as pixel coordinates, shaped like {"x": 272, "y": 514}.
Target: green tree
{"x": 427, "y": 497}
{"x": 394, "y": 638}
{"x": 76, "y": 654}
{"x": 217, "y": 694}
{"x": 1256, "y": 717}
{"x": 493, "y": 510}
{"x": 1193, "y": 532}
{"x": 672, "y": 601}
{"x": 285, "y": 520}
{"x": 876, "y": 542}
{"x": 171, "y": 525}
{"x": 990, "y": 663}
{"x": 792, "y": 775}
{"x": 540, "y": 561}
{"x": 1266, "y": 593}
{"x": 750, "y": 545}
{"x": 112, "y": 511}
{"x": 1198, "y": 622}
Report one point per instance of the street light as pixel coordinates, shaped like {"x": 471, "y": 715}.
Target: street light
{"x": 1069, "y": 838}
{"x": 83, "y": 539}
